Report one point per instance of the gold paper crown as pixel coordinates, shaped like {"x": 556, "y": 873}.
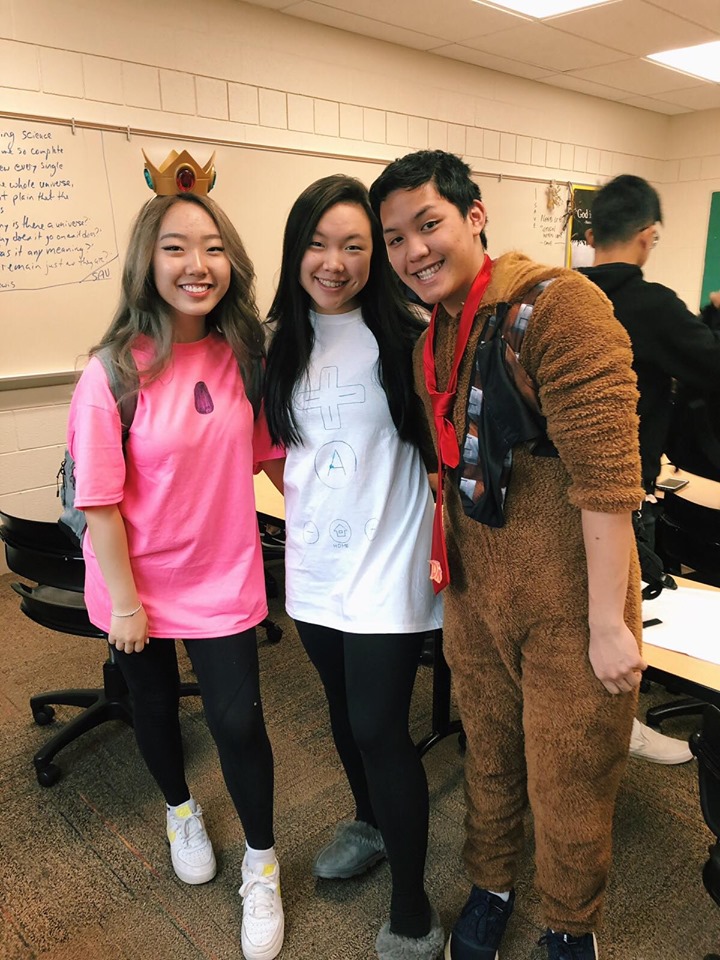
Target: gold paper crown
{"x": 179, "y": 173}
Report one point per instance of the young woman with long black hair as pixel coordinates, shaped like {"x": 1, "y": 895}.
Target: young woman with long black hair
{"x": 339, "y": 396}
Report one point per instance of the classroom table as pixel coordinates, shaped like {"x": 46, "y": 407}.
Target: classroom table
{"x": 681, "y": 672}
{"x": 699, "y": 489}
{"x": 269, "y": 502}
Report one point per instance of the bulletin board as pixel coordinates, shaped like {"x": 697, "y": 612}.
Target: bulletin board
{"x": 711, "y": 273}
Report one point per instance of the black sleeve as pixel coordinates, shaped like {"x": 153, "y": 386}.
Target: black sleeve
{"x": 682, "y": 344}
{"x": 710, "y": 316}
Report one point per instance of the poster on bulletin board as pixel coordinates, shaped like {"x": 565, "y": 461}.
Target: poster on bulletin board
{"x": 578, "y": 252}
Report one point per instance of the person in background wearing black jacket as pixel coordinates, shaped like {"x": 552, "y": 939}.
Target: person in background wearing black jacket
{"x": 694, "y": 436}
{"x": 669, "y": 342}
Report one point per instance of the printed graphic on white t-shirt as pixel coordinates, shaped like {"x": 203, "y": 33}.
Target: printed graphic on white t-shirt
{"x": 358, "y": 505}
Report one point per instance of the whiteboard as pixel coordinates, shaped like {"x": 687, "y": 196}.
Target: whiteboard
{"x": 68, "y": 199}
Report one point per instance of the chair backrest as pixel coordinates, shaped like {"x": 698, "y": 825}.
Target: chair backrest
{"x": 689, "y": 533}
{"x": 40, "y": 551}
{"x": 56, "y": 609}
{"x": 706, "y": 747}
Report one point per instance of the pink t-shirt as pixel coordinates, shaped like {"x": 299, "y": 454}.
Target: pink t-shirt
{"x": 184, "y": 489}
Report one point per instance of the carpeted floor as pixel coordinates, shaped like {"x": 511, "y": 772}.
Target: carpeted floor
{"x": 85, "y": 872}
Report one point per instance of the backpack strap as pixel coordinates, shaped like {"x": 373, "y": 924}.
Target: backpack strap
{"x": 124, "y": 392}
{"x": 72, "y": 520}
{"x": 502, "y": 412}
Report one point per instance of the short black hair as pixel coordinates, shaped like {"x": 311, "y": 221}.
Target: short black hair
{"x": 450, "y": 174}
{"x": 622, "y": 208}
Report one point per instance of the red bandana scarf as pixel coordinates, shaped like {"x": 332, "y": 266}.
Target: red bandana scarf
{"x": 442, "y": 406}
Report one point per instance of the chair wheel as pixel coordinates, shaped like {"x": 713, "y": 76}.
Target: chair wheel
{"x": 48, "y": 775}
{"x": 273, "y": 633}
{"x": 44, "y": 715}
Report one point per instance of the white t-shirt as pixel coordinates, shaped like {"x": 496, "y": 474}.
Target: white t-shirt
{"x": 358, "y": 507}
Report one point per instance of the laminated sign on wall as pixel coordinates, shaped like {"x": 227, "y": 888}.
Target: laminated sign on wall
{"x": 578, "y": 252}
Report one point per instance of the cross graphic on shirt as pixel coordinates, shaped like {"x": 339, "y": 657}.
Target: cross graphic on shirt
{"x": 330, "y": 396}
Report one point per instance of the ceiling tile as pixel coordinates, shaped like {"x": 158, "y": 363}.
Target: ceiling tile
{"x": 320, "y": 13}
{"x": 450, "y": 20}
{"x": 634, "y": 27}
{"x": 273, "y": 4}
{"x": 568, "y": 82}
{"x": 595, "y": 51}
{"x": 491, "y": 62}
{"x": 542, "y": 45}
{"x": 706, "y": 97}
{"x": 650, "y": 103}
{"x": 639, "y": 76}
{"x": 704, "y": 12}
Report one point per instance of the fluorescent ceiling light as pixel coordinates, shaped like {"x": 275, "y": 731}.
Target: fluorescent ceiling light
{"x": 702, "y": 60}
{"x": 540, "y": 9}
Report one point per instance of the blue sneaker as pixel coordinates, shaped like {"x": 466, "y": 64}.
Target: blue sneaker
{"x": 480, "y": 927}
{"x": 562, "y": 946}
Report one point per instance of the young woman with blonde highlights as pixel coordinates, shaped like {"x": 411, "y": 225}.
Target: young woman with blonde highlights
{"x": 172, "y": 548}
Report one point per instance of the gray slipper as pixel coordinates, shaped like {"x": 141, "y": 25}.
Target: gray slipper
{"x": 391, "y": 946}
{"x": 355, "y": 848}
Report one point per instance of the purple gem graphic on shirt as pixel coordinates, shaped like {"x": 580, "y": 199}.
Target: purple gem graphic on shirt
{"x": 203, "y": 400}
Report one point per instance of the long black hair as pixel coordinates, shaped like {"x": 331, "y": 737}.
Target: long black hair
{"x": 384, "y": 311}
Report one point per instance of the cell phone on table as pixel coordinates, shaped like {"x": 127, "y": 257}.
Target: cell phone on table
{"x": 670, "y": 484}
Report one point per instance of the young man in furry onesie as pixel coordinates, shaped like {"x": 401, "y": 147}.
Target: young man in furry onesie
{"x": 542, "y": 611}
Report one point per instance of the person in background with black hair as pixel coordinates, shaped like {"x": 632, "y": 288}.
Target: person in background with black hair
{"x": 669, "y": 342}
{"x": 339, "y": 395}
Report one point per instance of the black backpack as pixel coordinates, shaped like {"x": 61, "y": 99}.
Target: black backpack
{"x": 651, "y": 566}
{"x": 72, "y": 520}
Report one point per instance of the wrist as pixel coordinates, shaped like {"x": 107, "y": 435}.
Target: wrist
{"x": 124, "y": 616}
{"x": 600, "y": 627}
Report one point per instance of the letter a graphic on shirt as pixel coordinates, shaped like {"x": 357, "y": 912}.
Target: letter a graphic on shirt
{"x": 336, "y": 462}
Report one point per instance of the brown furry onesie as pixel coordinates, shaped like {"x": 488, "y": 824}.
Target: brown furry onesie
{"x": 540, "y": 726}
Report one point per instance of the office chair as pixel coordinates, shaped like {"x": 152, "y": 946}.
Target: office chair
{"x": 432, "y": 655}
{"x": 39, "y": 551}
{"x": 688, "y": 535}
{"x": 706, "y": 747}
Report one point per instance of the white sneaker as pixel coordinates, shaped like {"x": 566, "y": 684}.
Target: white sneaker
{"x": 649, "y": 744}
{"x": 263, "y": 921}
{"x": 192, "y": 854}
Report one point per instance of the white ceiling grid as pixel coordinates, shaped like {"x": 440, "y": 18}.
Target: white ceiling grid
{"x": 599, "y": 51}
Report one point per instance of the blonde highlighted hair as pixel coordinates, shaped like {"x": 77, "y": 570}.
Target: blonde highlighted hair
{"x": 143, "y": 311}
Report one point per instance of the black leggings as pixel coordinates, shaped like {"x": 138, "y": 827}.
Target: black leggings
{"x": 368, "y": 681}
{"x": 228, "y": 675}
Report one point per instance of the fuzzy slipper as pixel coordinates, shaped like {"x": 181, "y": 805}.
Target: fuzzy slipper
{"x": 356, "y": 847}
{"x": 391, "y": 946}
